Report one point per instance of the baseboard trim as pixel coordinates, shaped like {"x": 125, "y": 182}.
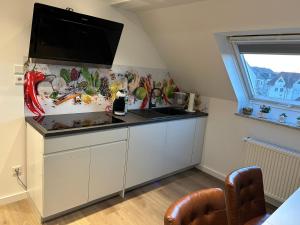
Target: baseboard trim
{"x": 212, "y": 172}
{"x": 13, "y": 198}
{"x": 222, "y": 177}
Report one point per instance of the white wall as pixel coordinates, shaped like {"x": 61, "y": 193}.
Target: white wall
{"x": 184, "y": 36}
{"x": 223, "y": 148}
{"x": 135, "y": 49}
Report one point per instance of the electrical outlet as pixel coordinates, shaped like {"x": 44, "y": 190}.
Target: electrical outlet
{"x": 14, "y": 168}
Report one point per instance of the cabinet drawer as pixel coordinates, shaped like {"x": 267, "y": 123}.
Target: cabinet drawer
{"x": 57, "y": 144}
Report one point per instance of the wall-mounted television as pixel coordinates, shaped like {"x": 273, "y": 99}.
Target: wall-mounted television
{"x": 63, "y": 36}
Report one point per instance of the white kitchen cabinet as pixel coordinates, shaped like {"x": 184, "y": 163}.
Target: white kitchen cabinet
{"x": 180, "y": 138}
{"x": 66, "y": 177}
{"x": 65, "y": 142}
{"x": 107, "y": 169}
{"x": 159, "y": 149}
{"x": 72, "y": 170}
{"x": 145, "y": 154}
{"x": 199, "y": 140}
{"x": 68, "y": 171}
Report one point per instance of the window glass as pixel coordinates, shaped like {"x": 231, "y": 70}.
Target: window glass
{"x": 273, "y": 77}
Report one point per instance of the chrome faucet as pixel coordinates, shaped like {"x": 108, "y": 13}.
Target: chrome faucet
{"x": 151, "y": 104}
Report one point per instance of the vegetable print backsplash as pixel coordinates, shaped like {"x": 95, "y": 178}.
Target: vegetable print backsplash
{"x": 50, "y": 89}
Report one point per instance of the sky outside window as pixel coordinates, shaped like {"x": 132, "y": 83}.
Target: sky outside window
{"x": 277, "y": 63}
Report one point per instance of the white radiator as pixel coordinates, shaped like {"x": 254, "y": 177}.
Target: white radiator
{"x": 280, "y": 167}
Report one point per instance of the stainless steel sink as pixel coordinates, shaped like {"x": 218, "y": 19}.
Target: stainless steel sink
{"x": 159, "y": 113}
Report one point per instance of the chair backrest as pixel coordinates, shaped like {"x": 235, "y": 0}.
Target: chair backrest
{"x": 244, "y": 195}
{"x": 204, "y": 207}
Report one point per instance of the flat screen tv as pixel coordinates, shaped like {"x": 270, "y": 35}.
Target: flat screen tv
{"x": 60, "y": 35}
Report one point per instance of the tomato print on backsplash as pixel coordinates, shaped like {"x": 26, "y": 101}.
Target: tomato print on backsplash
{"x": 53, "y": 89}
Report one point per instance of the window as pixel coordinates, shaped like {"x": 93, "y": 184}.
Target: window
{"x": 270, "y": 67}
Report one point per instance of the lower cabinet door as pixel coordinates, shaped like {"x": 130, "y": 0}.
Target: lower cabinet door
{"x": 180, "y": 144}
{"x": 66, "y": 177}
{"x": 107, "y": 169}
{"x": 199, "y": 140}
{"x": 145, "y": 153}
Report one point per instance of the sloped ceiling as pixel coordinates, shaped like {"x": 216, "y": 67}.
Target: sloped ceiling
{"x": 139, "y": 5}
{"x": 184, "y": 36}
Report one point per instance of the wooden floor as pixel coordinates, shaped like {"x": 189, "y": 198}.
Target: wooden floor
{"x": 145, "y": 205}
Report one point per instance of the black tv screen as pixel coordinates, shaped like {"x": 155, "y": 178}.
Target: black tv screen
{"x": 62, "y": 35}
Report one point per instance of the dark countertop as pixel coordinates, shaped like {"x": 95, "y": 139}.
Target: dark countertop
{"x": 64, "y": 124}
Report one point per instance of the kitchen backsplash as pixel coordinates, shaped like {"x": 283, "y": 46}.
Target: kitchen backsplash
{"x": 52, "y": 89}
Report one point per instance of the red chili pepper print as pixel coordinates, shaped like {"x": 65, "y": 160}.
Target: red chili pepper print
{"x": 144, "y": 103}
{"x": 32, "y": 78}
{"x": 166, "y": 99}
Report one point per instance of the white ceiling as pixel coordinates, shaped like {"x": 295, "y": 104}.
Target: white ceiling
{"x": 139, "y": 5}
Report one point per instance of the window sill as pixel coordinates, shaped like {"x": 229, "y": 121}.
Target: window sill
{"x": 290, "y": 125}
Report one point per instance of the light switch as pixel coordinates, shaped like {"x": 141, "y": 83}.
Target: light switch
{"x": 18, "y": 69}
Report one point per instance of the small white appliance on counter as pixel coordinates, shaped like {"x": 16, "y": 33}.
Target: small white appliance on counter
{"x": 191, "y": 102}
{"x": 119, "y": 105}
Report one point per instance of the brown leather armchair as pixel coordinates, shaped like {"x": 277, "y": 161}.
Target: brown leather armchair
{"x": 205, "y": 207}
{"x": 245, "y": 198}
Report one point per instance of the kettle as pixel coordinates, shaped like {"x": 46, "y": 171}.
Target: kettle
{"x": 119, "y": 104}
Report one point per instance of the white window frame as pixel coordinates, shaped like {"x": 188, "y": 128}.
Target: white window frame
{"x": 246, "y": 82}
